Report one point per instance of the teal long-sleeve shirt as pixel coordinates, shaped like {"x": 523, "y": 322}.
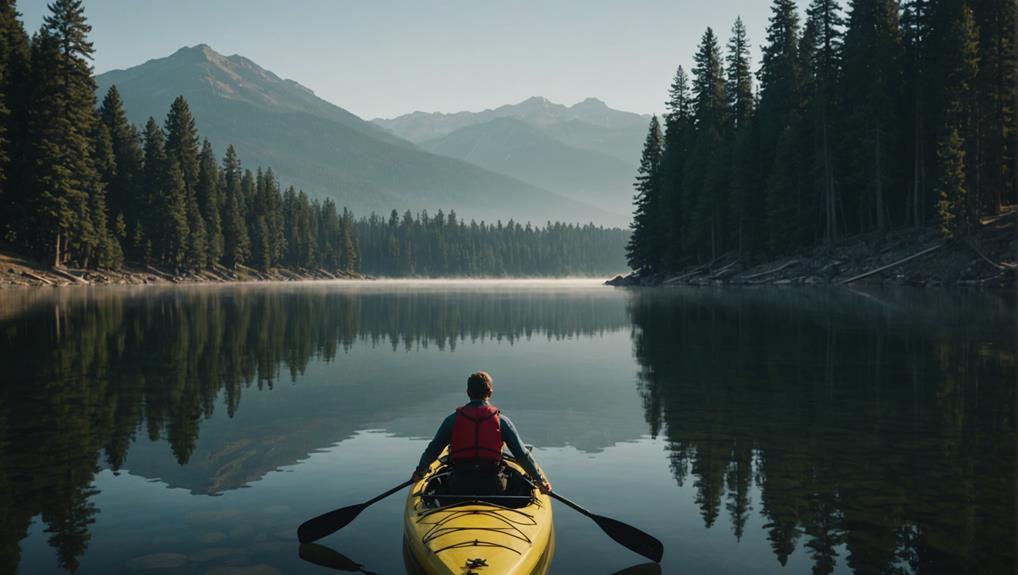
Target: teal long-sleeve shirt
{"x": 510, "y": 437}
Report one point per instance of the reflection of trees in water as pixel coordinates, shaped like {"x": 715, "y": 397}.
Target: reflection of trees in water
{"x": 887, "y": 427}
{"x": 85, "y": 373}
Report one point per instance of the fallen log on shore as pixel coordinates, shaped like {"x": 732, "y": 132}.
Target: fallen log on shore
{"x": 785, "y": 265}
{"x": 891, "y": 265}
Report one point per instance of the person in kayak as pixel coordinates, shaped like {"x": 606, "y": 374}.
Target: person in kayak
{"x": 475, "y": 434}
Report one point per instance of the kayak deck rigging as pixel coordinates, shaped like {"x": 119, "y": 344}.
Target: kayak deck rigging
{"x": 513, "y": 520}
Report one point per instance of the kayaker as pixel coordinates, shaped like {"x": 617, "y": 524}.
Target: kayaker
{"x": 475, "y": 434}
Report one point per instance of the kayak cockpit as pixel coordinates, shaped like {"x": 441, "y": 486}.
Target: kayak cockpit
{"x": 437, "y": 491}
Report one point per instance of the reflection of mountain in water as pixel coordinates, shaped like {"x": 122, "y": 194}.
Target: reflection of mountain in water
{"x": 86, "y": 372}
{"x": 881, "y": 428}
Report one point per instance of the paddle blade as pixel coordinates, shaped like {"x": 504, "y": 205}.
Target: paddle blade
{"x": 631, "y": 537}
{"x": 328, "y": 523}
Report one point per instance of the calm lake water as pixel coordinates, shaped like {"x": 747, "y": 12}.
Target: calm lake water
{"x": 190, "y": 430}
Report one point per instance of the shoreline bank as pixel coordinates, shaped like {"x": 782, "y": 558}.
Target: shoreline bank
{"x": 19, "y": 271}
{"x": 916, "y": 257}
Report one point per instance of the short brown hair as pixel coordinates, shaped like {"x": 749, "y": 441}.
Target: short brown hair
{"x": 479, "y": 385}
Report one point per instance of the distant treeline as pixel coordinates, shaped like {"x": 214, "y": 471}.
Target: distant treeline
{"x": 894, "y": 115}
{"x": 442, "y": 245}
{"x": 82, "y": 186}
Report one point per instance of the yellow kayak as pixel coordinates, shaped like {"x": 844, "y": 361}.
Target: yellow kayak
{"x": 505, "y": 535}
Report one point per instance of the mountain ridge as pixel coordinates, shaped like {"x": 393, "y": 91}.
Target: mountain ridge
{"x": 589, "y": 124}
{"x": 324, "y": 149}
{"x": 514, "y": 147}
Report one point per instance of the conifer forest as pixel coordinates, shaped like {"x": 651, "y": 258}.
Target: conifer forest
{"x": 862, "y": 118}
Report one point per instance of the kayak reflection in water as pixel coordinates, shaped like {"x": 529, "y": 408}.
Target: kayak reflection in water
{"x": 475, "y": 434}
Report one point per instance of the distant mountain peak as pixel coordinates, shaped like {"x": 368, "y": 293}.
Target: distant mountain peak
{"x": 197, "y": 52}
{"x": 591, "y": 103}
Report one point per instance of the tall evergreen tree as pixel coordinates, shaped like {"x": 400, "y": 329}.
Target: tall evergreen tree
{"x": 703, "y": 178}
{"x": 147, "y": 237}
{"x": 174, "y": 249}
{"x": 823, "y": 68}
{"x": 916, "y": 23}
{"x": 643, "y": 251}
{"x": 996, "y": 102}
{"x": 237, "y": 244}
{"x": 61, "y": 127}
{"x": 956, "y": 206}
{"x": 182, "y": 147}
{"x": 871, "y": 89}
{"x": 349, "y": 257}
{"x": 14, "y": 144}
{"x": 107, "y": 250}
{"x": 182, "y": 140}
{"x": 738, "y": 76}
{"x": 123, "y": 186}
{"x": 210, "y": 202}
{"x": 741, "y": 102}
{"x": 779, "y": 117}
{"x": 680, "y": 133}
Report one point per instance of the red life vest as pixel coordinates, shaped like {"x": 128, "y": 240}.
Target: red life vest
{"x": 476, "y": 434}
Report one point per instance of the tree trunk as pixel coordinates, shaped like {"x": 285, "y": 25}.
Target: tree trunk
{"x": 917, "y": 178}
{"x": 881, "y": 224}
{"x": 829, "y": 232}
{"x": 56, "y": 254}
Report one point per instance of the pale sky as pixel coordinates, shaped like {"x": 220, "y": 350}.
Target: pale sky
{"x": 387, "y": 57}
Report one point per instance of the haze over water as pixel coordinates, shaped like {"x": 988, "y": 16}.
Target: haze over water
{"x": 190, "y": 430}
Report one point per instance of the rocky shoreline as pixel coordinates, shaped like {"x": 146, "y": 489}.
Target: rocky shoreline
{"x": 918, "y": 257}
{"x": 18, "y": 271}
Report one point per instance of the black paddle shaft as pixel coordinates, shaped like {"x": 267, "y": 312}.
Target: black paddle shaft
{"x": 329, "y": 523}
{"x": 626, "y": 535}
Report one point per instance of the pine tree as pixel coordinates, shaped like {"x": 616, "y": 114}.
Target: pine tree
{"x": 197, "y": 235}
{"x": 679, "y": 136}
{"x": 108, "y": 251}
{"x": 148, "y": 233}
{"x": 996, "y": 100}
{"x": 182, "y": 147}
{"x": 182, "y": 140}
{"x": 9, "y": 27}
{"x": 124, "y": 186}
{"x": 951, "y": 189}
{"x": 236, "y": 241}
{"x": 917, "y": 31}
{"x": 958, "y": 42}
{"x": 349, "y": 254}
{"x": 272, "y": 203}
{"x": 643, "y": 249}
{"x": 705, "y": 177}
{"x": 741, "y": 102}
{"x": 871, "y": 89}
{"x": 210, "y": 202}
{"x": 739, "y": 77}
{"x": 823, "y": 69}
{"x": 14, "y": 143}
{"x": 61, "y": 126}
{"x": 173, "y": 213}
{"x": 261, "y": 248}
{"x": 780, "y": 97}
